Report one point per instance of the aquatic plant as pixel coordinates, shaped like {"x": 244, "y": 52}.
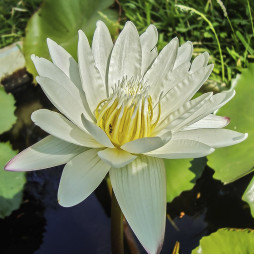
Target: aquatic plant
{"x": 124, "y": 109}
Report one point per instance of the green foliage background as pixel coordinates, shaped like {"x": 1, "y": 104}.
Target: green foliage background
{"x": 235, "y": 31}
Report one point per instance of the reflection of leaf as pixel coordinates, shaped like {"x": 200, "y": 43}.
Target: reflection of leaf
{"x": 11, "y": 183}
{"x": 227, "y": 241}
{"x": 248, "y": 196}
{"x": 7, "y": 108}
{"x": 236, "y": 161}
{"x": 60, "y": 20}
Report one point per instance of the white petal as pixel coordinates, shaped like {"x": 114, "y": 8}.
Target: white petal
{"x": 176, "y": 149}
{"x": 91, "y": 80}
{"x": 60, "y": 127}
{"x": 176, "y": 75}
{"x": 215, "y": 138}
{"x": 80, "y": 177}
{"x": 63, "y": 60}
{"x": 162, "y": 65}
{"x": 62, "y": 99}
{"x": 184, "y": 113}
{"x": 140, "y": 189}
{"x": 101, "y": 48}
{"x": 45, "y": 68}
{"x": 48, "y": 152}
{"x": 210, "y": 121}
{"x": 143, "y": 145}
{"x": 173, "y": 78}
{"x": 149, "y": 40}
{"x": 184, "y": 54}
{"x": 214, "y": 103}
{"x": 126, "y": 57}
{"x": 199, "y": 62}
{"x": 115, "y": 157}
{"x": 184, "y": 91}
{"x": 98, "y": 134}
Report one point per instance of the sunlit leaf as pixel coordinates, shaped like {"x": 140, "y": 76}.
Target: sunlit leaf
{"x": 7, "y": 108}
{"x": 227, "y": 241}
{"x": 11, "y": 183}
{"x": 233, "y": 162}
{"x": 248, "y": 196}
{"x": 181, "y": 175}
{"x": 60, "y": 20}
{"x": 178, "y": 177}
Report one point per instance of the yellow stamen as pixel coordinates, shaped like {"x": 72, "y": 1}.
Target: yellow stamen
{"x": 127, "y": 114}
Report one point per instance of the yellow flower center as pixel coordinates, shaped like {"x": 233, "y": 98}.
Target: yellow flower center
{"x": 127, "y": 114}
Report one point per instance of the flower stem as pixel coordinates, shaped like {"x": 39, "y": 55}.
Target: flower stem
{"x": 116, "y": 227}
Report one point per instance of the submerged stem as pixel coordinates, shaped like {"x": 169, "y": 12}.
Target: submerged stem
{"x": 116, "y": 227}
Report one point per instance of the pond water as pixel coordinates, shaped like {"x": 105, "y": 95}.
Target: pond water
{"x": 40, "y": 225}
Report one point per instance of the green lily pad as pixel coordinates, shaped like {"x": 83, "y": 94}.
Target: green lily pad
{"x": 11, "y": 183}
{"x": 233, "y": 162}
{"x": 181, "y": 175}
{"x": 178, "y": 177}
{"x": 197, "y": 167}
{"x": 7, "y": 109}
{"x": 60, "y": 20}
{"x": 227, "y": 241}
{"x": 248, "y": 196}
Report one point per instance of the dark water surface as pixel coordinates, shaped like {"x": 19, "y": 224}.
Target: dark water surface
{"x": 40, "y": 225}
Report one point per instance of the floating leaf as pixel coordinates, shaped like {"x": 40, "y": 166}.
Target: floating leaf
{"x": 248, "y": 196}
{"x": 197, "y": 167}
{"x": 7, "y": 109}
{"x": 181, "y": 175}
{"x": 227, "y": 241}
{"x": 11, "y": 183}
{"x": 178, "y": 177}
{"x": 60, "y": 20}
{"x": 233, "y": 162}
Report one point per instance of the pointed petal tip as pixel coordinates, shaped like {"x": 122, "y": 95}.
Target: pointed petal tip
{"x": 153, "y": 27}
{"x": 130, "y": 25}
{"x": 99, "y": 23}
{"x": 175, "y": 39}
{"x": 49, "y": 41}
{"x": 51, "y": 44}
{"x": 158, "y": 248}
{"x": 80, "y": 33}
{"x": 210, "y": 67}
{"x": 63, "y": 203}
{"x": 7, "y": 166}
{"x": 206, "y": 54}
{"x": 33, "y": 57}
{"x": 210, "y": 151}
{"x": 241, "y": 138}
{"x": 10, "y": 166}
{"x": 33, "y": 116}
{"x": 227, "y": 120}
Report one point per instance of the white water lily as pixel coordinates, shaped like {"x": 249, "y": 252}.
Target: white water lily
{"x": 124, "y": 108}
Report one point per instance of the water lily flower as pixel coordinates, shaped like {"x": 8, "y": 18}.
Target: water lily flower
{"x": 123, "y": 109}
